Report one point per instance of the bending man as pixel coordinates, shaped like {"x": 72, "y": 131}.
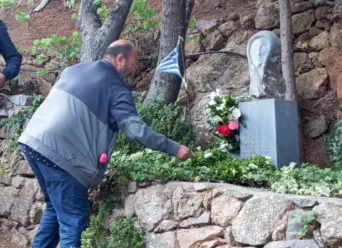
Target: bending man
{"x": 71, "y": 136}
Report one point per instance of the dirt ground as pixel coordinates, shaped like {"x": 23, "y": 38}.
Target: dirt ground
{"x": 5, "y": 241}
{"x": 55, "y": 18}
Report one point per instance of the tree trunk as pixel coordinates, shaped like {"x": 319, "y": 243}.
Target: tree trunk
{"x": 287, "y": 63}
{"x": 176, "y": 16}
{"x": 287, "y": 49}
{"x": 95, "y": 36}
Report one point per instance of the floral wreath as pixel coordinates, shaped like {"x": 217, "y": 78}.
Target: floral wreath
{"x": 225, "y": 118}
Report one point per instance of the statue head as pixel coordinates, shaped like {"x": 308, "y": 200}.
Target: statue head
{"x": 263, "y": 52}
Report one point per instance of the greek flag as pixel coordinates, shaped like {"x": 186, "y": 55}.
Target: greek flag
{"x": 170, "y": 64}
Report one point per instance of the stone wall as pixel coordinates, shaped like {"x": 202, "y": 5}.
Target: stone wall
{"x": 27, "y": 82}
{"x": 317, "y": 60}
{"x": 201, "y": 215}
{"x": 21, "y": 202}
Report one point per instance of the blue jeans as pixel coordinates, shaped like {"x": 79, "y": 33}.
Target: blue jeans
{"x": 67, "y": 207}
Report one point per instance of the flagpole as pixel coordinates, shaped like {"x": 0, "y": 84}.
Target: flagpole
{"x": 184, "y": 80}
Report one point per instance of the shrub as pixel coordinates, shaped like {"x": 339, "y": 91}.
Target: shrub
{"x": 333, "y": 144}
{"x": 95, "y": 236}
{"x": 308, "y": 180}
{"x": 126, "y": 235}
{"x": 210, "y": 165}
{"x": 16, "y": 122}
{"x": 123, "y": 233}
{"x": 166, "y": 119}
{"x": 217, "y": 165}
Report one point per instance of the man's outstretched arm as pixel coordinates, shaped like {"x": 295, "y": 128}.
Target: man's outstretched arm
{"x": 124, "y": 112}
{"x": 11, "y": 55}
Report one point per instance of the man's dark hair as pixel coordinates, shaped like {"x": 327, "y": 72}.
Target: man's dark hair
{"x": 124, "y": 49}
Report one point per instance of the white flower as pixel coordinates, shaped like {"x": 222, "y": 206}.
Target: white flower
{"x": 215, "y": 94}
{"x": 252, "y": 166}
{"x": 212, "y": 102}
{"x": 147, "y": 150}
{"x": 136, "y": 156}
{"x": 116, "y": 153}
{"x": 292, "y": 165}
{"x": 199, "y": 148}
{"x": 208, "y": 154}
{"x": 267, "y": 157}
{"x": 221, "y": 107}
{"x": 236, "y": 113}
{"x": 217, "y": 119}
{"x": 223, "y": 146}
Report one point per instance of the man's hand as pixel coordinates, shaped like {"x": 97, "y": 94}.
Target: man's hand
{"x": 2, "y": 80}
{"x": 184, "y": 153}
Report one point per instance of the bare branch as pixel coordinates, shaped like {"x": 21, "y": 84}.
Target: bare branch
{"x": 188, "y": 11}
{"x": 96, "y": 37}
{"x": 41, "y": 5}
{"x": 117, "y": 16}
{"x": 88, "y": 16}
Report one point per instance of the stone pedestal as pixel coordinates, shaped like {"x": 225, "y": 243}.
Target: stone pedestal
{"x": 271, "y": 130}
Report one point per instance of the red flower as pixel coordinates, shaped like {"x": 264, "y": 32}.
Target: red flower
{"x": 224, "y": 130}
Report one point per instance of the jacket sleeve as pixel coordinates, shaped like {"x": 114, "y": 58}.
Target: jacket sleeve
{"x": 9, "y": 52}
{"x": 130, "y": 123}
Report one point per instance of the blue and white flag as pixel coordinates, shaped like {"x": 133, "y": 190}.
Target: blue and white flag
{"x": 170, "y": 64}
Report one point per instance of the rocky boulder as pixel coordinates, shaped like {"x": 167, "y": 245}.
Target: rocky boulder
{"x": 314, "y": 128}
{"x": 302, "y": 22}
{"x": 195, "y": 237}
{"x": 293, "y": 244}
{"x": 267, "y": 17}
{"x": 329, "y": 217}
{"x": 7, "y": 198}
{"x": 248, "y": 21}
{"x": 193, "y": 44}
{"x": 336, "y": 35}
{"x": 228, "y": 28}
{"x": 312, "y": 84}
{"x": 302, "y": 63}
{"x": 265, "y": 213}
{"x": 206, "y": 27}
{"x": 167, "y": 239}
{"x": 224, "y": 209}
{"x": 218, "y": 71}
{"x": 22, "y": 205}
{"x": 214, "y": 41}
{"x": 151, "y": 206}
{"x": 320, "y": 41}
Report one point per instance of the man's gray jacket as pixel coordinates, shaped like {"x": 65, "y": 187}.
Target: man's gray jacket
{"x": 80, "y": 118}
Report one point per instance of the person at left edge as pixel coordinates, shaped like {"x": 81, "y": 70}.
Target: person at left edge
{"x": 10, "y": 54}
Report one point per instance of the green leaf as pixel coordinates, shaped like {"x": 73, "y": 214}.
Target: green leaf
{"x": 42, "y": 73}
{"x": 36, "y": 42}
{"x": 146, "y": 25}
{"x": 192, "y": 23}
{"x": 74, "y": 17}
{"x": 34, "y": 51}
{"x": 150, "y": 13}
{"x": 97, "y": 2}
{"x": 22, "y": 17}
{"x": 6, "y": 3}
